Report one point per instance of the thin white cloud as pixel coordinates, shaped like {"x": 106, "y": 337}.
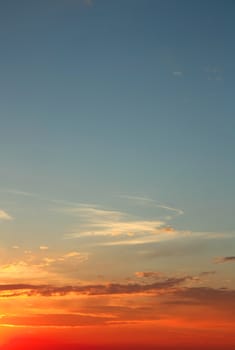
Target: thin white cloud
{"x": 177, "y": 211}
{"x": 94, "y": 214}
{"x": 103, "y": 222}
{"x": 125, "y": 228}
{"x": 43, "y": 247}
{"x": 19, "y": 193}
{"x": 96, "y": 221}
{"x": 214, "y": 73}
{"x": 178, "y": 73}
{"x": 4, "y": 216}
{"x": 78, "y": 255}
{"x": 88, "y": 2}
{"x": 36, "y": 196}
{"x": 138, "y": 199}
{"x": 93, "y": 220}
{"x": 146, "y": 239}
{"x": 153, "y": 203}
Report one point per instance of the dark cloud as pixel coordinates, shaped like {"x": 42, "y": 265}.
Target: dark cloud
{"x": 207, "y": 273}
{"x": 224, "y": 259}
{"x": 91, "y": 289}
{"x": 221, "y": 297}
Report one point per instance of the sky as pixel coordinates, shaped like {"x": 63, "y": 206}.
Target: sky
{"x": 117, "y": 172}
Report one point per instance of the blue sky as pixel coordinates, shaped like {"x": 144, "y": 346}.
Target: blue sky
{"x": 105, "y": 98}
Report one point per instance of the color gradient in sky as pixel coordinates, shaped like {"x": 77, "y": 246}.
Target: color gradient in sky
{"x": 117, "y": 193}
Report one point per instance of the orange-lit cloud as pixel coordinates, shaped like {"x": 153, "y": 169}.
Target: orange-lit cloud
{"x": 147, "y": 274}
{"x": 42, "y": 265}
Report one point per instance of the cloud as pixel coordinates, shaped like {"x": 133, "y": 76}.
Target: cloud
{"x": 42, "y": 266}
{"x": 43, "y": 247}
{"x": 175, "y": 210}
{"x": 103, "y": 222}
{"x": 224, "y": 259}
{"x": 96, "y": 221}
{"x": 214, "y": 73}
{"x": 73, "y": 255}
{"x": 88, "y": 2}
{"x": 22, "y": 270}
{"x": 148, "y": 274}
{"x": 38, "y": 197}
{"x": 93, "y": 220}
{"x": 149, "y": 202}
{"x": 156, "y": 275}
{"x": 207, "y": 273}
{"x": 207, "y": 295}
{"x": 152, "y": 203}
{"x": 20, "y": 193}
{"x": 56, "y": 320}
{"x": 5, "y": 216}
{"x": 163, "y": 234}
{"x": 94, "y": 214}
{"x": 178, "y": 73}
{"x": 139, "y": 199}
{"x": 10, "y": 290}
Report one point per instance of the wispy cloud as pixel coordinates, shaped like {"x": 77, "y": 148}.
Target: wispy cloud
{"x": 88, "y": 2}
{"x": 95, "y": 221}
{"x": 4, "y": 216}
{"x": 154, "y": 204}
{"x": 178, "y": 73}
{"x": 159, "y": 236}
{"x": 175, "y": 210}
{"x": 43, "y": 247}
{"x": 56, "y": 320}
{"x": 103, "y": 222}
{"x": 19, "y": 192}
{"x": 130, "y": 228}
{"x": 94, "y": 214}
{"x": 214, "y": 73}
{"x": 138, "y": 199}
{"x": 39, "y": 197}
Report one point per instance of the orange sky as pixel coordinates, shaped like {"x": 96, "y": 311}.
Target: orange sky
{"x": 175, "y": 317}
